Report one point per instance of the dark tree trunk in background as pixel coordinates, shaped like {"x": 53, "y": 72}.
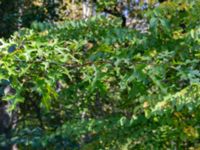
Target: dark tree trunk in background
{"x": 14, "y": 121}
{"x": 7, "y": 123}
{"x": 8, "y": 120}
{"x": 5, "y": 127}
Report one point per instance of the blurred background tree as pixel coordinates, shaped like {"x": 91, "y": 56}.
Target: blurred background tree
{"x": 21, "y": 13}
{"x": 16, "y": 14}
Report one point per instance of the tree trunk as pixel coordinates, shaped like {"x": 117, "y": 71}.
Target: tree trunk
{"x": 86, "y": 8}
{"x": 5, "y": 127}
{"x": 20, "y": 13}
{"x": 8, "y": 120}
{"x": 94, "y": 7}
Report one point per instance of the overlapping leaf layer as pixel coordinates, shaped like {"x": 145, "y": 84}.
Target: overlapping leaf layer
{"x": 95, "y": 85}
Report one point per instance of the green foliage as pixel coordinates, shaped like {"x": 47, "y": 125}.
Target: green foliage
{"x": 94, "y": 85}
{"x": 21, "y": 13}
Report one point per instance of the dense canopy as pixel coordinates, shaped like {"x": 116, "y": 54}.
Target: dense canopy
{"x": 95, "y": 84}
